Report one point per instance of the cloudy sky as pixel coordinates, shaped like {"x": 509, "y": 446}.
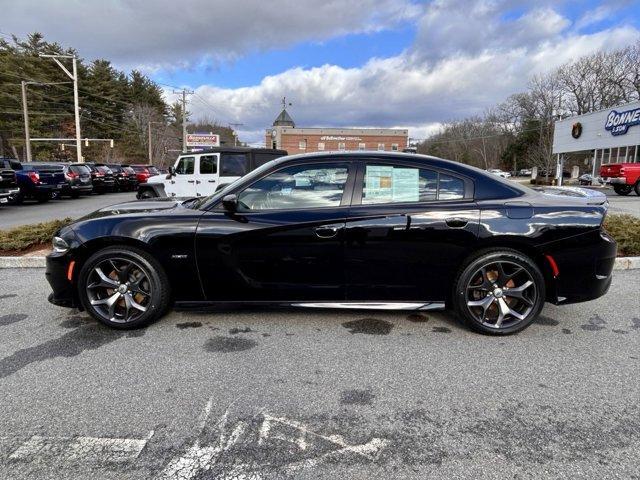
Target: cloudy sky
{"x": 368, "y": 63}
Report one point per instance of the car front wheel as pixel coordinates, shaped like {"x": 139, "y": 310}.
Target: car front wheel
{"x": 499, "y": 292}
{"x": 123, "y": 287}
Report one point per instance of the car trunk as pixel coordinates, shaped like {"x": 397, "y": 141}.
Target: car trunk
{"x": 51, "y": 174}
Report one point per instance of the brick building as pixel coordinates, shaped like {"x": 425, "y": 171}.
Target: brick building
{"x": 284, "y": 135}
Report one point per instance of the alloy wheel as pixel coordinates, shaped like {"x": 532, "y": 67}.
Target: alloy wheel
{"x": 501, "y": 294}
{"x": 119, "y": 290}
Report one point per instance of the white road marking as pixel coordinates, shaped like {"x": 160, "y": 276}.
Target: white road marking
{"x": 103, "y": 449}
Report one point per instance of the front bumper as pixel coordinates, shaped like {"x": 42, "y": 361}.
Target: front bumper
{"x": 6, "y": 193}
{"x": 64, "y": 294}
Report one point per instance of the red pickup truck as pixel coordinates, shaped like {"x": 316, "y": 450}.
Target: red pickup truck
{"x": 623, "y": 177}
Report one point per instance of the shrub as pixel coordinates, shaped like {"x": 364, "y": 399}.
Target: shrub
{"x": 625, "y": 229}
{"x": 27, "y": 236}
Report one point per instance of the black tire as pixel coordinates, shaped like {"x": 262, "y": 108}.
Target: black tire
{"x": 527, "y": 304}
{"x": 637, "y": 188}
{"x": 622, "y": 189}
{"x": 17, "y": 199}
{"x": 147, "y": 193}
{"x": 155, "y": 301}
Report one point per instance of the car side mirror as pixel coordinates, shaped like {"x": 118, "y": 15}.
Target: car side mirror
{"x": 172, "y": 170}
{"x": 230, "y": 203}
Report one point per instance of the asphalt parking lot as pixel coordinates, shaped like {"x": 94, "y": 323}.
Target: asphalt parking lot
{"x": 262, "y": 394}
{"x": 32, "y": 212}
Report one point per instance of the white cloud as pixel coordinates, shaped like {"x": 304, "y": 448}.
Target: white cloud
{"x": 163, "y": 33}
{"x": 408, "y": 90}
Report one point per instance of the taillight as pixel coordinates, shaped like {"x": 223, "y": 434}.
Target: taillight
{"x": 34, "y": 176}
{"x": 71, "y": 175}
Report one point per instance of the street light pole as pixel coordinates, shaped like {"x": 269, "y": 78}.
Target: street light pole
{"x": 25, "y": 113}
{"x": 76, "y": 102}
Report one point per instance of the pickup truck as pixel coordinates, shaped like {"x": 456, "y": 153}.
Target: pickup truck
{"x": 202, "y": 173}
{"x": 8, "y": 182}
{"x": 623, "y": 177}
{"x": 40, "y": 181}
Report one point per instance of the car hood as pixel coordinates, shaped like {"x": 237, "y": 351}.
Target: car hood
{"x": 157, "y": 178}
{"x": 156, "y": 205}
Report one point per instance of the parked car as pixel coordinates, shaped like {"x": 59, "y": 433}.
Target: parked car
{"x": 623, "y": 177}
{"x": 499, "y": 173}
{"x": 38, "y": 180}
{"x": 143, "y": 172}
{"x": 78, "y": 180}
{"x": 125, "y": 179}
{"x": 202, "y": 173}
{"x": 102, "y": 178}
{"x": 340, "y": 230}
{"x": 525, "y": 172}
{"x": 8, "y": 181}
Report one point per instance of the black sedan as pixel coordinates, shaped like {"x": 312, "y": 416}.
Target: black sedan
{"x": 340, "y": 230}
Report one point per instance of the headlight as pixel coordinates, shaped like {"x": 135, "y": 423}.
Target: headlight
{"x": 60, "y": 245}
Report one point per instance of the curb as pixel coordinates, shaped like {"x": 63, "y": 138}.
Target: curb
{"x": 621, "y": 263}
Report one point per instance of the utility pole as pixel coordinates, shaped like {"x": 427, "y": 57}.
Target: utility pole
{"x": 184, "y": 93}
{"x": 76, "y": 103}
{"x": 151, "y": 149}
{"x": 235, "y": 135}
{"x": 25, "y": 113}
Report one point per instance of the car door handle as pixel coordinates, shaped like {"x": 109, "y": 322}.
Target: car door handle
{"x": 456, "y": 222}
{"x": 190, "y": 181}
{"x": 326, "y": 232}
{"x": 211, "y": 181}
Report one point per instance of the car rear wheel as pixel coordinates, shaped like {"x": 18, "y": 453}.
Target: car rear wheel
{"x": 622, "y": 189}
{"x": 499, "y": 292}
{"x": 123, "y": 287}
{"x": 147, "y": 193}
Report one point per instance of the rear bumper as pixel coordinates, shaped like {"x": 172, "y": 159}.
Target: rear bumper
{"x": 586, "y": 268}
{"x": 8, "y": 192}
{"x": 615, "y": 180}
{"x": 64, "y": 294}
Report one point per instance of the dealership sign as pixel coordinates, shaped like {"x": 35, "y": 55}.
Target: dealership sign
{"x": 342, "y": 139}
{"x": 203, "y": 140}
{"x": 618, "y": 123}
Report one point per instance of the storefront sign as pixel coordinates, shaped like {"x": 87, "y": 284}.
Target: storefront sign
{"x": 203, "y": 140}
{"x": 618, "y": 123}
{"x": 341, "y": 139}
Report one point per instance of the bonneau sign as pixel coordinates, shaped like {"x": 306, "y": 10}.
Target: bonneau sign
{"x": 618, "y": 123}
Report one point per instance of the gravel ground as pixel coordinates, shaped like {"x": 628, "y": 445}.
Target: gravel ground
{"x": 263, "y": 394}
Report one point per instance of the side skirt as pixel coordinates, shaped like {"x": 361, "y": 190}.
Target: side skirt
{"x": 330, "y": 305}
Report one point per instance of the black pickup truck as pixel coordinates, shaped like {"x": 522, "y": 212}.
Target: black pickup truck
{"x": 8, "y": 182}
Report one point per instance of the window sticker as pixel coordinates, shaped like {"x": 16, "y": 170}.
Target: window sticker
{"x": 406, "y": 185}
{"x": 379, "y": 181}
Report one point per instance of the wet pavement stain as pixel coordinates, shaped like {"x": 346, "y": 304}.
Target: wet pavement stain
{"x": 566, "y": 331}
{"x": 266, "y": 334}
{"x": 71, "y": 344}
{"x": 236, "y": 330}
{"x": 356, "y": 397}
{"x": 619, "y": 331}
{"x": 635, "y": 323}
{"x": 368, "y": 326}
{"x": 8, "y": 295}
{"x": 184, "y": 325}
{"x": 75, "y": 322}
{"x": 229, "y": 344}
{"x": 441, "y": 330}
{"x": 12, "y": 318}
{"x": 418, "y": 318}
{"x": 595, "y": 324}
{"x": 551, "y": 322}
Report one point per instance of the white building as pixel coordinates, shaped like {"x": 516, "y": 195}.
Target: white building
{"x": 611, "y": 135}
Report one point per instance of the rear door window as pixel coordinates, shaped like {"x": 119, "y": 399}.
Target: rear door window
{"x": 208, "y": 164}
{"x": 234, "y": 164}
{"x": 402, "y": 184}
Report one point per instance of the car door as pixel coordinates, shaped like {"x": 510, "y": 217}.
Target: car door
{"x": 207, "y": 178}
{"x": 285, "y": 242}
{"x": 407, "y": 231}
{"x": 183, "y": 183}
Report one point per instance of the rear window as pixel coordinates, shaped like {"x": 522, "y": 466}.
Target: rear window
{"x": 138, "y": 168}
{"x": 115, "y": 168}
{"x": 153, "y": 170}
{"x": 80, "y": 169}
{"x": 234, "y": 164}
{"x": 128, "y": 170}
{"x": 104, "y": 169}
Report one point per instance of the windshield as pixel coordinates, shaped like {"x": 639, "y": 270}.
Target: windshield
{"x": 257, "y": 173}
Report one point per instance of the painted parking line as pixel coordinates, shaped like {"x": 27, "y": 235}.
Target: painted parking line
{"x": 83, "y": 449}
